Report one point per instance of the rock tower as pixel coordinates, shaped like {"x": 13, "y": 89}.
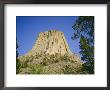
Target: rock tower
{"x": 50, "y": 55}
{"x": 50, "y": 42}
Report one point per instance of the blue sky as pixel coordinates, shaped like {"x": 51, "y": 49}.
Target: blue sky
{"x": 28, "y": 28}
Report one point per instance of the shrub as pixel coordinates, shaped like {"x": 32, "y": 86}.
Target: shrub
{"x": 18, "y": 66}
{"x": 36, "y": 69}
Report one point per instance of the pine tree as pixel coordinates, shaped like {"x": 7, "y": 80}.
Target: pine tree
{"x": 84, "y": 30}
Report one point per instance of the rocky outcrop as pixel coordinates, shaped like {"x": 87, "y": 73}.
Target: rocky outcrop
{"x": 50, "y": 55}
{"x": 50, "y": 42}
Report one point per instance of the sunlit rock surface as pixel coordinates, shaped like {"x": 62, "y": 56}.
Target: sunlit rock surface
{"x": 50, "y": 55}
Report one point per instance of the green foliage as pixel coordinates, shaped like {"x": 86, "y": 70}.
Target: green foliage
{"x": 36, "y": 69}
{"x": 48, "y": 64}
{"x": 84, "y": 26}
{"x": 18, "y": 66}
{"x": 68, "y": 70}
{"x": 62, "y": 67}
{"x": 16, "y": 49}
{"x": 84, "y": 30}
{"x": 25, "y": 60}
{"x": 24, "y": 64}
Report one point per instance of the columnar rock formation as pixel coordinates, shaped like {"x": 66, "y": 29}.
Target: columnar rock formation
{"x": 51, "y": 55}
{"x": 50, "y": 42}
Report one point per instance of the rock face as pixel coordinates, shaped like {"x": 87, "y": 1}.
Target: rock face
{"x": 50, "y": 55}
{"x": 50, "y": 42}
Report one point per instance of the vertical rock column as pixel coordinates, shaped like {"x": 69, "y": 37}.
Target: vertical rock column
{"x": 51, "y": 42}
